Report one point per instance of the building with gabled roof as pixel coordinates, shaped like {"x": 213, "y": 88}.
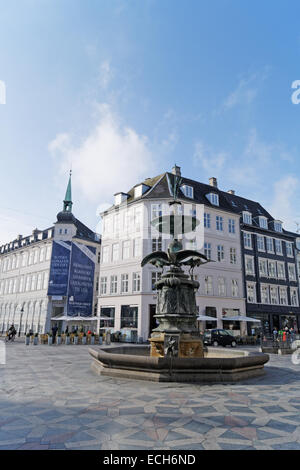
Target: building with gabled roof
{"x": 34, "y": 268}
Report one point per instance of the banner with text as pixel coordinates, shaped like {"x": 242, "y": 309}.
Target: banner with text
{"x": 59, "y": 268}
{"x": 81, "y": 282}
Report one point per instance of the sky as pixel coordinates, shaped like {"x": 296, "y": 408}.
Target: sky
{"x": 120, "y": 90}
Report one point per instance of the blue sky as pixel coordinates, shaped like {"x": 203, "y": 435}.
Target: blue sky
{"x": 123, "y": 89}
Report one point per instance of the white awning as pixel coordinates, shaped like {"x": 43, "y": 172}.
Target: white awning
{"x": 78, "y": 318}
{"x": 241, "y": 318}
{"x": 206, "y": 318}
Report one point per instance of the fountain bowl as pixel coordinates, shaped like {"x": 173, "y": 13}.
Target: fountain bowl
{"x": 217, "y": 365}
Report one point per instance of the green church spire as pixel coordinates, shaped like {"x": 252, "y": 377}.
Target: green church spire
{"x": 68, "y": 197}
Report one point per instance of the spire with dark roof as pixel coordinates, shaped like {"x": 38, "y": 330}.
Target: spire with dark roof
{"x": 66, "y": 214}
{"x": 68, "y": 197}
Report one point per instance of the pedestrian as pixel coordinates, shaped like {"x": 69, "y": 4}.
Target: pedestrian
{"x": 67, "y": 329}
{"x": 54, "y": 331}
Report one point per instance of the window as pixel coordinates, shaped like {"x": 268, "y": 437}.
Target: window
{"x": 289, "y": 249}
{"x": 249, "y": 265}
{"x": 264, "y": 292}
{"x": 113, "y": 284}
{"x": 107, "y": 317}
{"x": 188, "y": 191}
{"x": 234, "y": 288}
{"x": 274, "y": 294}
{"x": 231, "y": 225}
{"x": 251, "y": 292}
{"x": 21, "y": 286}
{"x": 36, "y": 256}
{"x": 221, "y": 286}
{"x": 219, "y": 223}
{"x": 220, "y": 252}
{"x": 247, "y": 240}
{"x": 103, "y": 285}
{"x": 129, "y": 316}
{"x": 39, "y": 282}
{"x": 292, "y": 272}
{"x": 207, "y": 250}
{"x": 126, "y": 249}
{"x": 155, "y": 276}
{"x": 278, "y": 247}
{"x": 137, "y": 247}
{"x": 116, "y": 220}
{"x": 156, "y": 244}
{"x": 263, "y": 222}
{"x": 156, "y": 211}
{"x": 294, "y": 297}
{"x": 280, "y": 270}
{"x": 232, "y": 254}
{"x": 269, "y": 244}
{"x": 45, "y": 280}
{"x": 213, "y": 198}
{"x": 277, "y": 226}
{"x": 105, "y": 254}
{"x": 42, "y": 255}
{"x": 31, "y": 255}
{"x": 136, "y": 282}
{"x": 115, "y": 252}
{"x": 206, "y": 220}
{"x": 263, "y": 267}
{"x": 247, "y": 218}
{"x": 283, "y": 295}
{"x": 27, "y": 283}
{"x": 137, "y": 218}
{"x": 13, "y": 265}
{"x": 260, "y": 243}
{"x": 124, "y": 283}
{"x": 208, "y": 285}
{"x": 48, "y": 252}
{"x": 272, "y": 269}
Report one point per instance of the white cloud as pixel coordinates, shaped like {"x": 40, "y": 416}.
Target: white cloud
{"x": 211, "y": 161}
{"x": 106, "y": 74}
{"x": 112, "y": 158}
{"x": 285, "y": 205}
{"x": 246, "y": 90}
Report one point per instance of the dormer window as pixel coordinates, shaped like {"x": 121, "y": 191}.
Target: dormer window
{"x": 140, "y": 189}
{"x": 188, "y": 191}
{"x": 263, "y": 222}
{"x": 120, "y": 197}
{"x": 247, "y": 217}
{"x": 278, "y": 225}
{"x": 213, "y": 198}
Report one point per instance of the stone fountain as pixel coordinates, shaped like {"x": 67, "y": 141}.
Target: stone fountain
{"x": 176, "y": 352}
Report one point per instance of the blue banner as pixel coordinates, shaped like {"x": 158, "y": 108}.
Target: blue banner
{"x": 59, "y": 268}
{"x": 81, "y": 282}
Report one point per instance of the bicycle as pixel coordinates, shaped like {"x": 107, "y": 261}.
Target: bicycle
{"x": 10, "y": 339}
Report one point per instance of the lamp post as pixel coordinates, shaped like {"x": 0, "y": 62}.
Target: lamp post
{"x": 22, "y": 311}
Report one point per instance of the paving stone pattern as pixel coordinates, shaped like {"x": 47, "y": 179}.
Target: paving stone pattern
{"x": 50, "y": 399}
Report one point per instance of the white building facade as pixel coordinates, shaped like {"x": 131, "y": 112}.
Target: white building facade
{"x": 24, "y": 274}
{"x": 127, "y": 294}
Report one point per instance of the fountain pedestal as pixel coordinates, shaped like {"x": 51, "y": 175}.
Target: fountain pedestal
{"x": 177, "y": 334}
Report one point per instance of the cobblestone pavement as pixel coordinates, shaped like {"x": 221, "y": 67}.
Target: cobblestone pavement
{"x": 50, "y": 399}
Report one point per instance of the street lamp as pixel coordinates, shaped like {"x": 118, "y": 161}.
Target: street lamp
{"x": 22, "y": 311}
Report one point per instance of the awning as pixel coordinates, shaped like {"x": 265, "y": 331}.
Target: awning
{"x": 241, "y": 318}
{"x": 78, "y": 318}
{"x": 206, "y": 318}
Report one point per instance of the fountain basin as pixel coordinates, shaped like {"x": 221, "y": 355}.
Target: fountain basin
{"x": 218, "y": 365}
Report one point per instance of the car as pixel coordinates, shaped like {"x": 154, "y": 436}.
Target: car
{"x": 219, "y": 337}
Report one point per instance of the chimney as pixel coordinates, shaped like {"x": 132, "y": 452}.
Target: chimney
{"x": 231, "y": 191}
{"x": 176, "y": 170}
{"x": 213, "y": 182}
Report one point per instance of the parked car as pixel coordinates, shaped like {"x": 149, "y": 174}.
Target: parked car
{"x": 219, "y": 337}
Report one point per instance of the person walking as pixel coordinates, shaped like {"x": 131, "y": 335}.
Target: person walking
{"x": 54, "y": 331}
